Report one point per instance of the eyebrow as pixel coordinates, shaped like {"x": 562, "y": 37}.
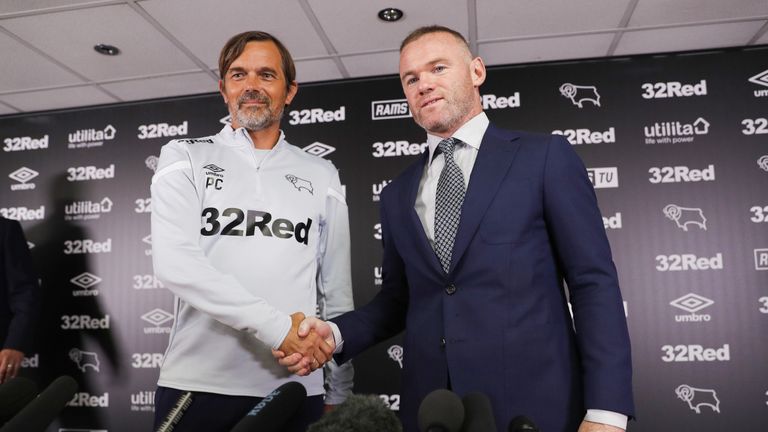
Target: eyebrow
{"x": 431, "y": 63}
{"x": 242, "y": 69}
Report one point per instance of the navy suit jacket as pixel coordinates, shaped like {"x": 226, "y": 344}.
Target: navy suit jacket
{"x": 499, "y": 322}
{"x": 19, "y": 289}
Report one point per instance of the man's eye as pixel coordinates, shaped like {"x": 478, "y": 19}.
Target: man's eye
{"x": 410, "y": 81}
{"x": 439, "y": 68}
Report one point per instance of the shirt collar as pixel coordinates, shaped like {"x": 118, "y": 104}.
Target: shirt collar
{"x": 239, "y": 137}
{"x": 471, "y": 133}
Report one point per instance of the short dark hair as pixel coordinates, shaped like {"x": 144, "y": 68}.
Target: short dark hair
{"x": 422, "y": 31}
{"x": 236, "y": 45}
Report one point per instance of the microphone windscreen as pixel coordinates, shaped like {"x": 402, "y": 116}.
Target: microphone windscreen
{"x": 15, "y": 394}
{"x": 38, "y": 414}
{"x": 359, "y": 413}
{"x": 522, "y": 424}
{"x": 478, "y": 413}
{"x": 441, "y": 410}
{"x": 274, "y": 411}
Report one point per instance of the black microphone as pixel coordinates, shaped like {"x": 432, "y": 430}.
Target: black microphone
{"x": 441, "y": 411}
{"x": 522, "y": 424}
{"x": 15, "y": 394}
{"x": 174, "y": 415}
{"x": 43, "y": 410}
{"x": 478, "y": 413}
{"x": 359, "y": 413}
{"x": 274, "y": 411}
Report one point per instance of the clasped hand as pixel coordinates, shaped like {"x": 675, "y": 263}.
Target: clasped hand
{"x": 308, "y": 345}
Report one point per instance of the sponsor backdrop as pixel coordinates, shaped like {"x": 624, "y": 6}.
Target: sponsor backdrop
{"x": 676, "y": 146}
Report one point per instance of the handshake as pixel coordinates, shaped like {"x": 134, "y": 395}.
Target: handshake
{"x": 308, "y": 345}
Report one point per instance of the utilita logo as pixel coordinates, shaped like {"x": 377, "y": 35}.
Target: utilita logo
{"x": 692, "y": 303}
{"x": 319, "y": 149}
{"x": 377, "y": 188}
{"x": 23, "y": 175}
{"x": 674, "y": 132}
{"x": 602, "y": 178}
{"x": 143, "y": 401}
{"x": 87, "y": 210}
{"x": 762, "y": 80}
{"x": 25, "y": 143}
{"x": 87, "y": 138}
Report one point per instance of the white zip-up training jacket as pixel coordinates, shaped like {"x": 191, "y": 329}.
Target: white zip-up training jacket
{"x": 243, "y": 238}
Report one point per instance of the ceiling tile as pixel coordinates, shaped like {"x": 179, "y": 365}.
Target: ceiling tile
{"x": 144, "y": 50}
{"x": 58, "y": 98}
{"x": 316, "y": 70}
{"x": 501, "y": 18}
{"x": 687, "y": 38}
{"x": 204, "y": 26}
{"x": 372, "y": 64}
{"x": 12, "y": 6}
{"x": 175, "y": 85}
{"x": 535, "y": 50}
{"x": 353, "y": 25}
{"x": 763, "y": 39}
{"x": 28, "y": 68}
{"x": 653, "y": 12}
{"x": 5, "y": 109}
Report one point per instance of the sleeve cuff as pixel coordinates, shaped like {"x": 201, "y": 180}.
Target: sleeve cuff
{"x": 336, "y": 337}
{"x": 607, "y": 417}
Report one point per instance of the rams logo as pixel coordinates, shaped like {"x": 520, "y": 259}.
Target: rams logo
{"x": 580, "y": 94}
{"x": 300, "y": 183}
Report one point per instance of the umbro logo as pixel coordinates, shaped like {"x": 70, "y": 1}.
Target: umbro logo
{"x": 300, "y": 183}
{"x": 213, "y": 168}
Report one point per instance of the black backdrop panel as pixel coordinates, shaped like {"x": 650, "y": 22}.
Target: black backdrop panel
{"x": 677, "y": 147}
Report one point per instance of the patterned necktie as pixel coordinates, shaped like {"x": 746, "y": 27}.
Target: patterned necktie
{"x": 450, "y": 196}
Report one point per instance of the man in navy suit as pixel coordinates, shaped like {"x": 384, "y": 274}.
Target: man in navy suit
{"x": 491, "y": 314}
{"x": 19, "y": 298}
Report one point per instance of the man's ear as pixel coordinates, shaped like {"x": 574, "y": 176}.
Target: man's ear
{"x": 293, "y": 88}
{"x": 222, "y": 90}
{"x": 477, "y": 70}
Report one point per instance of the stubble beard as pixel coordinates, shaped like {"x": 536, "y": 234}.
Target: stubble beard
{"x": 456, "y": 111}
{"x": 255, "y": 118}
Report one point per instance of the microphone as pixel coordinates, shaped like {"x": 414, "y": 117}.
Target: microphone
{"x": 522, "y": 424}
{"x": 359, "y": 413}
{"x": 38, "y": 414}
{"x": 441, "y": 411}
{"x": 274, "y": 411}
{"x": 174, "y": 415}
{"x": 478, "y": 413}
{"x": 14, "y": 395}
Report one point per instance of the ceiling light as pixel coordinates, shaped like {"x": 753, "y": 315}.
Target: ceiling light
{"x": 105, "y": 49}
{"x": 390, "y": 14}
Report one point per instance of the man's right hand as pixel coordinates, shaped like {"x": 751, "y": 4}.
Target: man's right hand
{"x": 305, "y": 348}
{"x": 299, "y": 363}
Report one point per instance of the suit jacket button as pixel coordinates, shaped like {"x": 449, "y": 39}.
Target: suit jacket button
{"x": 442, "y": 342}
{"x": 450, "y": 289}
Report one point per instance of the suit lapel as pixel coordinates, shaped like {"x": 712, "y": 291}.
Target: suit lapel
{"x": 494, "y": 158}
{"x": 414, "y": 223}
